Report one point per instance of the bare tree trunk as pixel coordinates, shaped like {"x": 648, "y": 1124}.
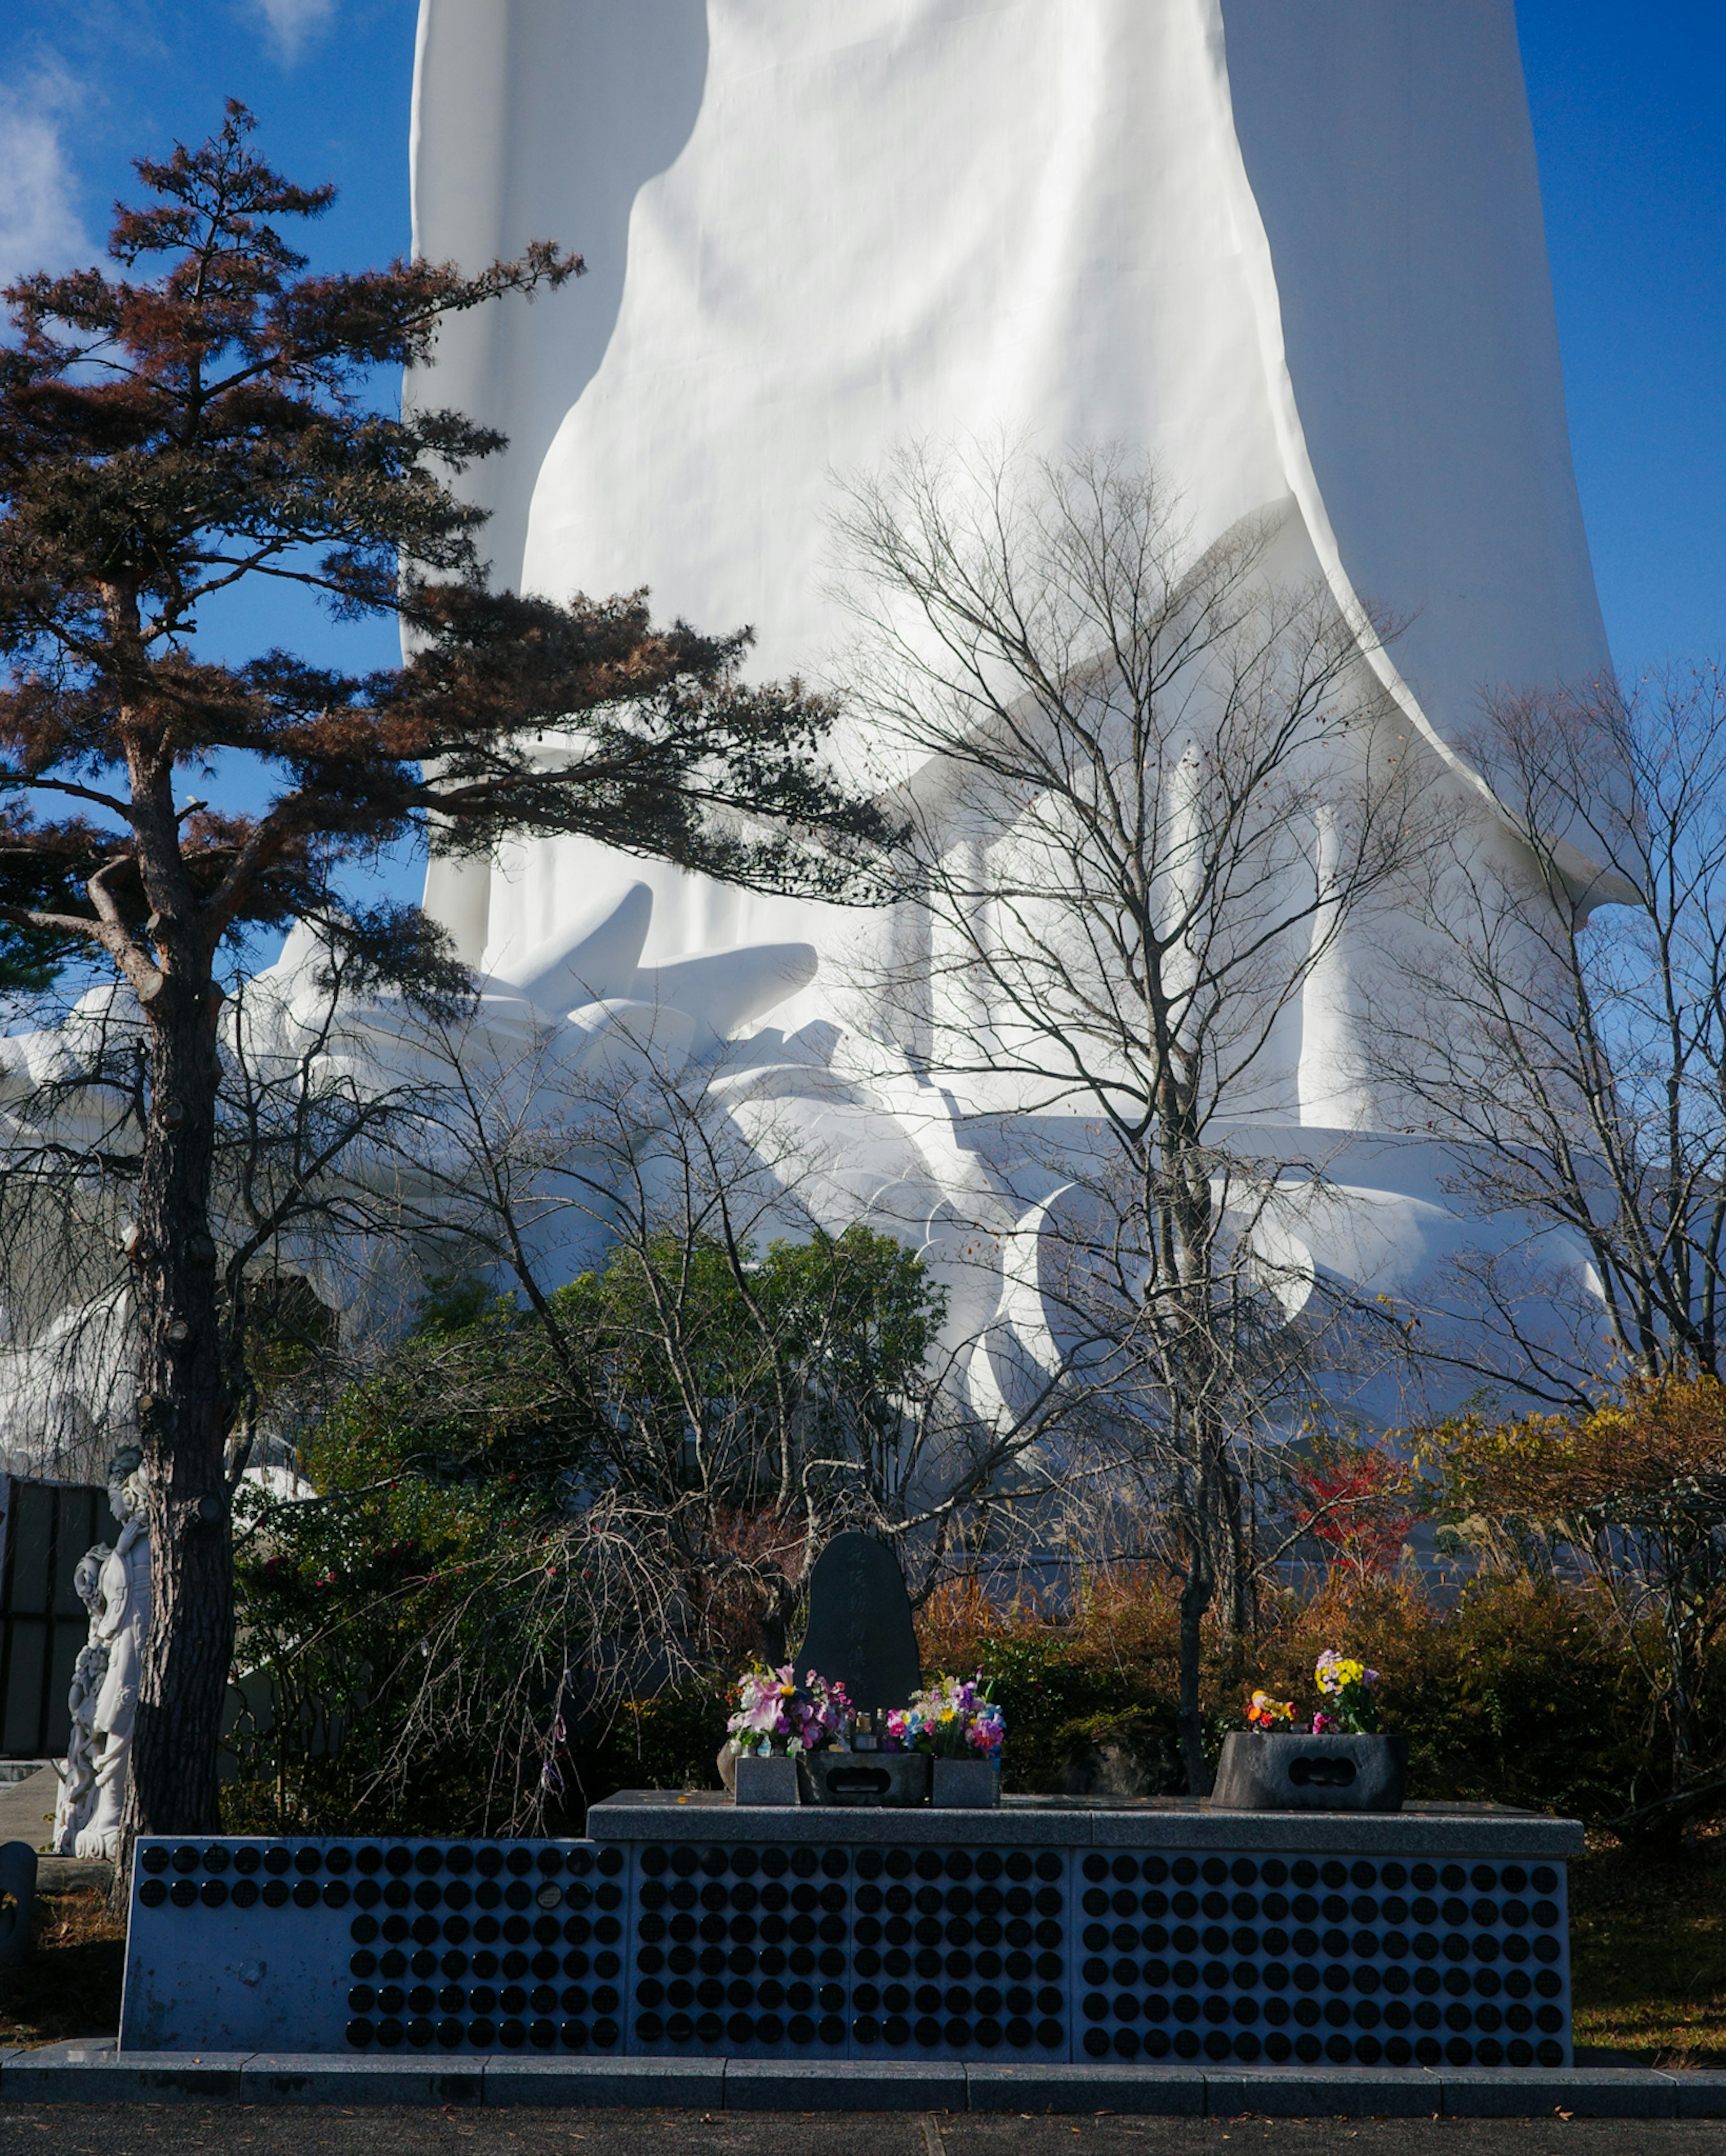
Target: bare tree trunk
{"x": 1239, "y": 1557}
{"x": 1195, "y": 1602}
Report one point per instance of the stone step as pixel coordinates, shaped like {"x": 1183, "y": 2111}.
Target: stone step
{"x": 97, "y": 2072}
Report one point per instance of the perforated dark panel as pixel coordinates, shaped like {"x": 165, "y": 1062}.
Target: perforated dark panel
{"x": 1357, "y": 1963}
{"x": 960, "y": 1952}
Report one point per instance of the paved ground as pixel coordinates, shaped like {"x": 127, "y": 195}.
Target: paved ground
{"x": 22, "y": 1805}
{"x": 27, "y": 1815}
{"x": 168, "y": 2130}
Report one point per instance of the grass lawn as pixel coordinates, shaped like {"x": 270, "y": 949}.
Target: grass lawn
{"x": 1648, "y": 1941}
{"x": 1648, "y": 1952}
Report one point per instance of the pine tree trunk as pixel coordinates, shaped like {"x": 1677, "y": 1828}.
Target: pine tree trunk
{"x": 183, "y": 1417}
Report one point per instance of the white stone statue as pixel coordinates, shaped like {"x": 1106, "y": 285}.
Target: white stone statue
{"x": 1291, "y": 249}
{"x": 78, "y": 1777}
{"x": 101, "y": 1752}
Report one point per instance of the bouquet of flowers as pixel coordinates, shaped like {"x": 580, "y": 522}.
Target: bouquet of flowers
{"x": 1350, "y": 1685}
{"x": 775, "y": 1714}
{"x": 953, "y": 1718}
{"x": 1350, "y": 1710}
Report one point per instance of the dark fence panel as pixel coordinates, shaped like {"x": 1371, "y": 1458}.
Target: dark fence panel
{"x": 45, "y": 1528}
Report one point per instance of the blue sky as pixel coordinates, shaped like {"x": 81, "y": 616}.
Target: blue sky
{"x": 1626, "y": 114}
{"x": 1628, "y": 120}
{"x": 85, "y": 85}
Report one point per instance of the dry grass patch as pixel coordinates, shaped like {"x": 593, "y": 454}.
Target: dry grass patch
{"x": 70, "y": 1986}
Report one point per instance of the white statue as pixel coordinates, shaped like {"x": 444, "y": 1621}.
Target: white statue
{"x": 78, "y": 1777}
{"x": 120, "y": 1629}
{"x": 1291, "y": 249}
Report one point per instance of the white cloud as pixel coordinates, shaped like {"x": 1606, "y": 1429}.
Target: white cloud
{"x": 292, "y": 22}
{"x": 39, "y": 225}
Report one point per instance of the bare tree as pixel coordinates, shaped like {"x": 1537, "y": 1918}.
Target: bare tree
{"x": 1566, "y": 1038}
{"x": 66, "y": 1098}
{"x": 1150, "y": 786}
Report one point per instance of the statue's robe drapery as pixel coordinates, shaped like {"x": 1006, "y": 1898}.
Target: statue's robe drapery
{"x": 1293, "y": 248}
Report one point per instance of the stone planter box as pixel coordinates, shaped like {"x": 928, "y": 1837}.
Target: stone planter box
{"x": 864, "y": 1778}
{"x": 968, "y": 1785}
{"x": 1282, "y": 1772}
{"x": 764, "y": 1781}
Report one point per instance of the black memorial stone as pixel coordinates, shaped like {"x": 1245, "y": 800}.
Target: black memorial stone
{"x": 860, "y": 1633}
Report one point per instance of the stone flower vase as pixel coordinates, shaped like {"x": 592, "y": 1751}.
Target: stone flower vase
{"x": 890, "y": 1779}
{"x": 967, "y": 1784}
{"x": 758, "y": 1781}
{"x": 1282, "y": 1771}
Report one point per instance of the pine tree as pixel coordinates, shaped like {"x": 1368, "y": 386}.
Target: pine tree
{"x": 163, "y": 440}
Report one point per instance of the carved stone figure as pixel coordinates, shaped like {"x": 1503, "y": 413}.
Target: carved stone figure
{"x": 78, "y": 1777}
{"x": 120, "y": 1629}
